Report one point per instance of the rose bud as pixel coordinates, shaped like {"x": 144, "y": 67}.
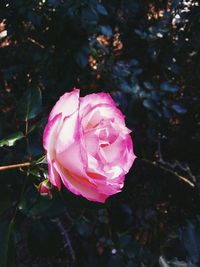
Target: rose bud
{"x": 88, "y": 146}
{"x": 44, "y": 188}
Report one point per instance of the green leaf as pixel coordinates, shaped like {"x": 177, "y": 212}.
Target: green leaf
{"x": 124, "y": 240}
{"x": 41, "y": 160}
{"x": 44, "y": 238}
{"x": 148, "y": 85}
{"x": 82, "y": 59}
{"x": 6, "y": 244}
{"x": 5, "y": 201}
{"x": 33, "y": 204}
{"x": 115, "y": 260}
{"x": 166, "y": 112}
{"x": 106, "y": 30}
{"x": 11, "y": 139}
{"x": 175, "y": 263}
{"x": 83, "y": 228}
{"x": 53, "y": 2}
{"x": 169, "y": 87}
{"x": 149, "y": 104}
{"x": 30, "y": 104}
{"x": 179, "y": 108}
{"x": 163, "y": 262}
{"x": 101, "y": 9}
{"x": 190, "y": 236}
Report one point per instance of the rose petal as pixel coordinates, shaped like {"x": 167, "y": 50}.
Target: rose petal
{"x": 49, "y": 139}
{"x": 50, "y": 132}
{"x": 67, "y": 104}
{"x": 69, "y": 150}
{"x": 72, "y": 160}
{"x": 79, "y": 188}
{"x": 69, "y": 133}
{"x": 113, "y": 151}
{"x": 130, "y": 157}
{"x": 91, "y": 142}
{"x": 92, "y": 116}
{"x": 53, "y": 174}
{"x": 96, "y": 99}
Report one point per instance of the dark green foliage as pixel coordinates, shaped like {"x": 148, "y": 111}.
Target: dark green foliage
{"x": 146, "y": 54}
{"x": 6, "y": 247}
{"x": 30, "y": 104}
{"x": 11, "y": 139}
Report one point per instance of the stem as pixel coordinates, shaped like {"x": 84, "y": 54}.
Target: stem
{"x": 14, "y": 166}
{"x": 26, "y": 137}
{"x": 66, "y": 238}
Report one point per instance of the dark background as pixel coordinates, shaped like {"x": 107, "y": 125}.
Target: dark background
{"x": 146, "y": 55}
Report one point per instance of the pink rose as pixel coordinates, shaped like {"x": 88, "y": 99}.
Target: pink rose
{"x": 88, "y": 145}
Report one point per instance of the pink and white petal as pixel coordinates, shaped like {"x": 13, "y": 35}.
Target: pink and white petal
{"x": 113, "y": 151}
{"x": 111, "y": 186}
{"x": 91, "y": 142}
{"x": 72, "y": 160}
{"x": 109, "y": 189}
{"x": 113, "y": 171}
{"x": 67, "y": 104}
{"x": 95, "y": 170}
{"x": 86, "y": 190}
{"x": 69, "y": 132}
{"x": 130, "y": 157}
{"x": 107, "y": 179}
{"x": 95, "y": 99}
{"x": 49, "y": 138}
{"x": 100, "y": 173}
{"x": 53, "y": 175}
{"x": 122, "y": 129}
{"x": 95, "y": 167}
{"x": 50, "y": 134}
{"x": 95, "y": 114}
{"x": 69, "y": 149}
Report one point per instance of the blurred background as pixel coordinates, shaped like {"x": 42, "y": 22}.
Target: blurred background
{"x": 146, "y": 55}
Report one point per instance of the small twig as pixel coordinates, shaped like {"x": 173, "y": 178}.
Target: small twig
{"x": 66, "y": 238}
{"x": 154, "y": 163}
{"x": 35, "y": 42}
{"x": 172, "y": 167}
{"x": 183, "y": 167}
{"x": 15, "y": 166}
{"x": 26, "y": 137}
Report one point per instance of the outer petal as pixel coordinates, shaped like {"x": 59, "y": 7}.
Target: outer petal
{"x": 79, "y": 188}
{"x": 53, "y": 174}
{"x": 113, "y": 152}
{"x": 73, "y": 164}
{"x": 71, "y": 160}
{"x": 92, "y": 115}
{"x": 69, "y": 132}
{"x": 69, "y": 150}
{"x": 67, "y": 104}
{"x": 95, "y": 99}
{"x": 51, "y": 132}
{"x": 129, "y": 154}
{"x": 49, "y": 139}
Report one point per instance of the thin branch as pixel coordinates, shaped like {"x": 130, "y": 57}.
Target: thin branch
{"x": 35, "y": 42}
{"x": 154, "y": 163}
{"x": 66, "y": 238}
{"x": 15, "y": 166}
